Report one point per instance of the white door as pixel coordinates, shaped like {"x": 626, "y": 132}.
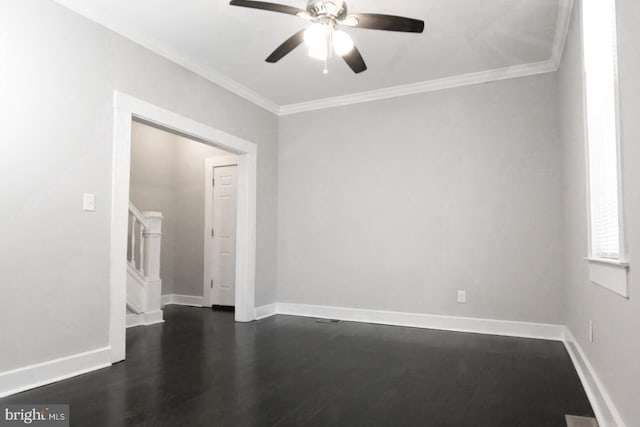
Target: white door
{"x": 224, "y": 236}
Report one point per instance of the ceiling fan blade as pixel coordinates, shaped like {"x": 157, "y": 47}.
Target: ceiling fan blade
{"x": 376, "y": 21}
{"x": 285, "y": 48}
{"x": 272, "y": 7}
{"x": 355, "y": 61}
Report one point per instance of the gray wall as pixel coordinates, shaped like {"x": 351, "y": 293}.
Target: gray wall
{"x": 401, "y": 204}
{"x": 614, "y": 352}
{"x": 151, "y": 187}
{"x": 167, "y": 175}
{"x": 58, "y": 72}
{"x": 397, "y": 204}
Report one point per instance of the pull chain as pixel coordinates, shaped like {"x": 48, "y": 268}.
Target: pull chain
{"x": 329, "y": 40}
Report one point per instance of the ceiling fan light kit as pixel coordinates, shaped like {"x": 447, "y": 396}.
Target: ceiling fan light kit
{"x": 324, "y": 37}
{"x": 342, "y": 42}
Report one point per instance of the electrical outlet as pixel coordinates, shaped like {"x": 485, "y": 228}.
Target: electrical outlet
{"x": 462, "y": 297}
{"x": 590, "y": 331}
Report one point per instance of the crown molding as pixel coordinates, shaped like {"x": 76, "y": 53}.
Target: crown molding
{"x": 565, "y": 10}
{"x": 422, "y": 87}
{"x": 208, "y": 74}
{"x": 106, "y": 20}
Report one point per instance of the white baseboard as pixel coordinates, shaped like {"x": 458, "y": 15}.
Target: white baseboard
{"x": 606, "y": 412}
{"x": 21, "y": 379}
{"x": 604, "y": 408}
{"x": 144, "y": 319}
{"x": 166, "y": 300}
{"x": 33, "y": 376}
{"x": 153, "y": 317}
{"x": 188, "y": 300}
{"x": 427, "y": 321}
{"x": 134, "y": 319}
{"x": 266, "y": 311}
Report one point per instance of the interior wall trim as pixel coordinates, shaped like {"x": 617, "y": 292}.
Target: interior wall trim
{"x": 126, "y": 108}
{"x": 37, "y": 375}
{"x": 116, "y": 25}
{"x": 187, "y": 300}
{"x": 226, "y": 82}
{"x": 144, "y": 319}
{"x": 602, "y": 404}
{"x": 563, "y": 22}
{"x": 32, "y": 376}
{"x": 428, "y": 321}
{"x": 497, "y": 74}
{"x": 266, "y": 311}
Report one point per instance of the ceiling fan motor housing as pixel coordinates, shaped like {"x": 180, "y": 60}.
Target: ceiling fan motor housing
{"x": 335, "y": 9}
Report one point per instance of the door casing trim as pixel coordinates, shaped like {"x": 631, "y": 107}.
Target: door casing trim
{"x": 209, "y": 164}
{"x": 126, "y": 109}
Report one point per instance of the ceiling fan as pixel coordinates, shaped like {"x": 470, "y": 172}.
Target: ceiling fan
{"x": 324, "y": 37}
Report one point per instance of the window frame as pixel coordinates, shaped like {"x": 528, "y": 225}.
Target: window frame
{"x": 610, "y": 273}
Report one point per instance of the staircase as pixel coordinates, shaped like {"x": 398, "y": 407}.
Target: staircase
{"x": 144, "y": 286}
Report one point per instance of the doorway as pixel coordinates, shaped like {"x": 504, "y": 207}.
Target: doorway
{"x": 220, "y": 231}
{"x": 128, "y": 108}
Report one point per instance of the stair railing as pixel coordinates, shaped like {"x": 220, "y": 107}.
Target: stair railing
{"x": 137, "y": 226}
{"x": 144, "y": 286}
{"x": 145, "y": 231}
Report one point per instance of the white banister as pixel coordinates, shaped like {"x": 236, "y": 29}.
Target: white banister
{"x": 143, "y": 281}
{"x": 132, "y": 260}
{"x": 142, "y": 245}
{"x": 152, "y": 238}
{"x": 137, "y": 214}
{"x": 142, "y": 227}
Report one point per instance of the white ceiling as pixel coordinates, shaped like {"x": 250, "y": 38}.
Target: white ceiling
{"x": 229, "y": 44}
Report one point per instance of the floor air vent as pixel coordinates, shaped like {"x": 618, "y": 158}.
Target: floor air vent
{"x": 332, "y": 321}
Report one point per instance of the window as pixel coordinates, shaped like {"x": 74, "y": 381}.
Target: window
{"x": 601, "y": 88}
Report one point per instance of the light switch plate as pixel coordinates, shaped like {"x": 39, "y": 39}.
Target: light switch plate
{"x": 89, "y": 202}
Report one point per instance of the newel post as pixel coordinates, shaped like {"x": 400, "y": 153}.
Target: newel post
{"x": 152, "y": 238}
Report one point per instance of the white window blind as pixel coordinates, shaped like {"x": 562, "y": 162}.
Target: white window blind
{"x": 601, "y": 62}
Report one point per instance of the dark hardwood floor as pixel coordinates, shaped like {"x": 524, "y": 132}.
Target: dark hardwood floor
{"x": 201, "y": 369}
